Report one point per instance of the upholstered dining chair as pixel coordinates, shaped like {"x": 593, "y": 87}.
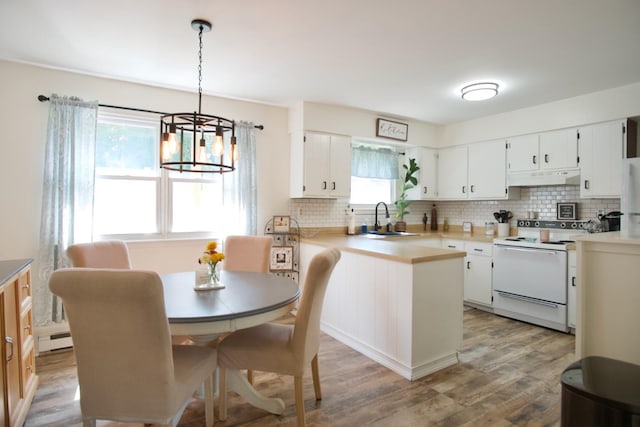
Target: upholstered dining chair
{"x": 280, "y": 348}
{"x": 247, "y": 253}
{"x": 106, "y": 254}
{"x": 128, "y": 371}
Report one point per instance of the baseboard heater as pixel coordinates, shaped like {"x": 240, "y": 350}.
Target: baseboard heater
{"x": 55, "y": 337}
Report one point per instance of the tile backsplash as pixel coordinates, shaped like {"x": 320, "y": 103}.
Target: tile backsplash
{"x": 311, "y": 213}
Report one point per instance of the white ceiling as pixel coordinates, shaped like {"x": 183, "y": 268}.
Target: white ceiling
{"x": 405, "y": 58}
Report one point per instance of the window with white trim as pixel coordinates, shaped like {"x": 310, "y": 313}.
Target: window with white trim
{"x": 374, "y": 174}
{"x": 136, "y": 199}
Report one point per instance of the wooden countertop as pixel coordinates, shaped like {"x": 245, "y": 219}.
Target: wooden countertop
{"x": 10, "y": 268}
{"x": 401, "y": 249}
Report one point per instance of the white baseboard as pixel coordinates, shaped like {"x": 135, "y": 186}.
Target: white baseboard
{"x": 411, "y": 373}
{"x": 52, "y": 337}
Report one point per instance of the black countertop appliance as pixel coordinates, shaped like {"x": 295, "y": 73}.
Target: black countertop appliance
{"x": 610, "y": 221}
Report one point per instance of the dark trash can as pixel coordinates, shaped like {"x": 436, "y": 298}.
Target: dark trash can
{"x": 599, "y": 391}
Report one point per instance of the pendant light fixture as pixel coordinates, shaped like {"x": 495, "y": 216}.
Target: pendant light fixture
{"x": 194, "y": 142}
{"x": 479, "y": 91}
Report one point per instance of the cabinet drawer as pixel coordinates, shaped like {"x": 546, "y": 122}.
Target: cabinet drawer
{"x": 28, "y": 366}
{"x": 478, "y": 248}
{"x": 453, "y": 244}
{"x": 26, "y": 326}
{"x": 24, "y": 286}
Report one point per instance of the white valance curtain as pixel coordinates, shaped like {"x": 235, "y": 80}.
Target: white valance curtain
{"x": 67, "y": 194}
{"x": 370, "y": 162}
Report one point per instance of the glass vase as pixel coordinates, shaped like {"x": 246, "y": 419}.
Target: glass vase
{"x": 214, "y": 274}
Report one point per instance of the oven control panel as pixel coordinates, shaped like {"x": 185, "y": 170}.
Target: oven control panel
{"x": 557, "y": 224}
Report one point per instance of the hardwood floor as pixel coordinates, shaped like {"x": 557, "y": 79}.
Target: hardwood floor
{"x": 508, "y": 375}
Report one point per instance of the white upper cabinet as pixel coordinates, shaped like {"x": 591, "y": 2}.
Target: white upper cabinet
{"x": 488, "y": 170}
{"x": 320, "y": 166}
{"x": 601, "y": 149}
{"x": 559, "y": 149}
{"x": 554, "y": 150}
{"x": 523, "y": 153}
{"x": 452, "y": 172}
{"x": 427, "y": 159}
{"x": 474, "y": 172}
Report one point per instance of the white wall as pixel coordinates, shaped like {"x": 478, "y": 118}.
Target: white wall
{"x": 24, "y": 122}
{"x": 360, "y": 124}
{"x": 612, "y": 104}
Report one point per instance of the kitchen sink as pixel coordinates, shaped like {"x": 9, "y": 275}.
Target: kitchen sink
{"x": 383, "y": 234}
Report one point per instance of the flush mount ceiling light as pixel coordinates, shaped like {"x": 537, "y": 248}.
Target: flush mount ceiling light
{"x": 479, "y": 91}
{"x": 194, "y": 142}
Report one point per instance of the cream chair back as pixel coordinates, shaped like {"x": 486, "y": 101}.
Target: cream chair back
{"x": 247, "y": 253}
{"x": 106, "y": 254}
{"x": 306, "y": 332}
{"x": 127, "y": 368}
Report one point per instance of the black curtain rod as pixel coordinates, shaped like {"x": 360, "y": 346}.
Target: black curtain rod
{"x": 43, "y": 98}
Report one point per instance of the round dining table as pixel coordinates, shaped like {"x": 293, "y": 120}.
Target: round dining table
{"x": 247, "y": 299}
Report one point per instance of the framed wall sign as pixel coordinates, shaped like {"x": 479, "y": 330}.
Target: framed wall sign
{"x": 280, "y": 224}
{"x": 567, "y": 211}
{"x": 393, "y": 130}
{"x": 281, "y": 258}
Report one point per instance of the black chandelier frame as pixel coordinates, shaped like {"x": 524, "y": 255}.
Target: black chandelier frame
{"x": 177, "y": 125}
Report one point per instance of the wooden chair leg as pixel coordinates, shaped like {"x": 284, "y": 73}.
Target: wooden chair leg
{"x": 250, "y": 376}
{"x": 316, "y": 377}
{"x": 209, "y": 386}
{"x": 299, "y": 392}
{"x": 222, "y": 393}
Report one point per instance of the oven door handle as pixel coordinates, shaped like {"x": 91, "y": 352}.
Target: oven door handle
{"x": 544, "y": 251}
{"x": 527, "y": 299}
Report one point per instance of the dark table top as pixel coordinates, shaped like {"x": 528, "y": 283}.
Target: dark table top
{"x": 9, "y": 268}
{"x": 245, "y": 294}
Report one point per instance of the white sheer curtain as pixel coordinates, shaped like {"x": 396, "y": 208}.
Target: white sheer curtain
{"x": 67, "y": 194}
{"x": 241, "y": 191}
{"x": 369, "y": 162}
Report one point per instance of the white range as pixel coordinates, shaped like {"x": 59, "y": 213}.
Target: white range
{"x": 530, "y": 273}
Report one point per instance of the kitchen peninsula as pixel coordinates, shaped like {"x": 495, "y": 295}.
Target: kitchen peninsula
{"x": 608, "y": 293}
{"x": 396, "y": 300}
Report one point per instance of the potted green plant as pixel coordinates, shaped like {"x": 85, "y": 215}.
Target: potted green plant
{"x": 408, "y": 182}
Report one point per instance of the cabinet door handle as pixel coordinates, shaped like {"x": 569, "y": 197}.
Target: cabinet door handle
{"x": 464, "y": 189}
{"x": 468, "y": 265}
{"x": 478, "y": 250}
{"x": 586, "y": 184}
{"x": 9, "y": 341}
{"x": 324, "y": 185}
{"x": 546, "y": 158}
{"x": 535, "y": 160}
{"x": 473, "y": 188}
{"x": 573, "y": 280}
{"x": 333, "y": 185}
{"x": 424, "y": 190}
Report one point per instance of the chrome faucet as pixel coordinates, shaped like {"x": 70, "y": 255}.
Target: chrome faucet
{"x": 377, "y": 226}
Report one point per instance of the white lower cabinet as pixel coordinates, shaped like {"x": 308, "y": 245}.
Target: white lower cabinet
{"x": 478, "y": 273}
{"x": 453, "y": 244}
{"x": 571, "y": 292}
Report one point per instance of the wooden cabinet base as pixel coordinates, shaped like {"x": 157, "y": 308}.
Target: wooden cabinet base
{"x": 19, "y": 379}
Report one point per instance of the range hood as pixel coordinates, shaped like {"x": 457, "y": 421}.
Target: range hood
{"x": 542, "y": 178}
